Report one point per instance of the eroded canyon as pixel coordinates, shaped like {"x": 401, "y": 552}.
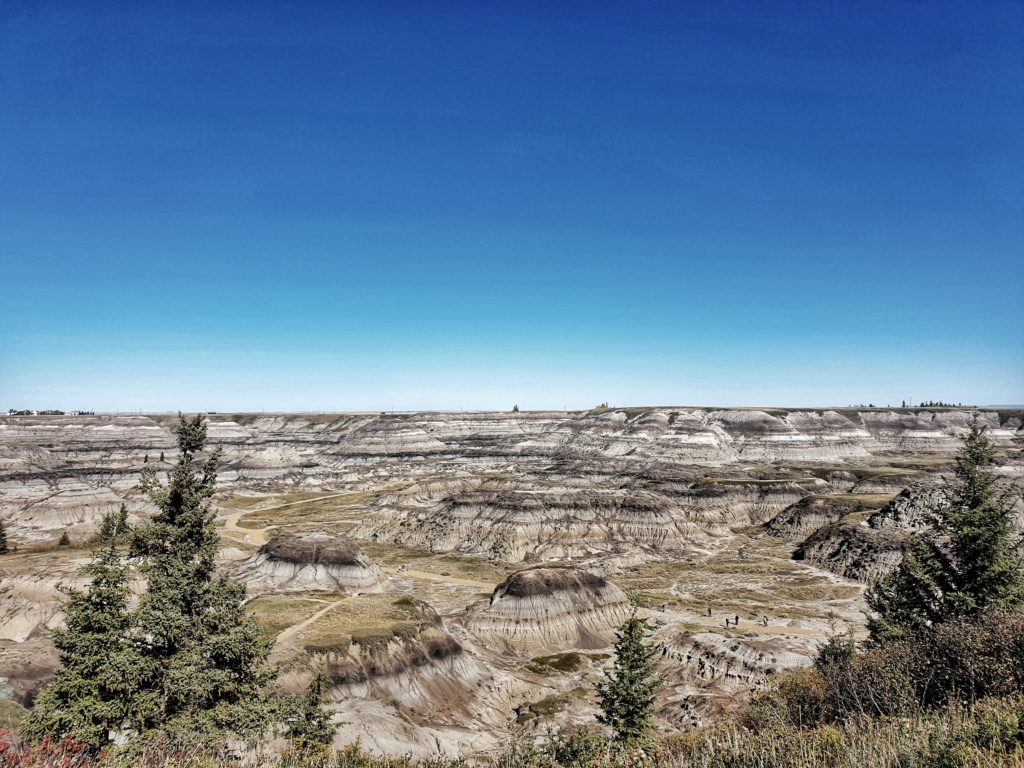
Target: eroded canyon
{"x": 458, "y": 576}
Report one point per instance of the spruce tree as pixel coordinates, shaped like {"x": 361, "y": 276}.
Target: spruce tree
{"x": 114, "y": 526}
{"x": 64, "y": 540}
{"x": 108, "y": 524}
{"x": 3, "y": 538}
{"x": 968, "y": 562}
{"x": 90, "y": 694}
{"x": 201, "y": 659}
{"x": 627, "y": 695}
{"x": 310, "y": 729}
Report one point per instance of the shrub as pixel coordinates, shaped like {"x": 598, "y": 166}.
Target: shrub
{"x": 796, "y": 701}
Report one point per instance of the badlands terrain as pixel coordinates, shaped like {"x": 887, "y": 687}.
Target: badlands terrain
{"x": 459, "y": 576}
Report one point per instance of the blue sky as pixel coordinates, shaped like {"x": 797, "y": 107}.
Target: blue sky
{"x": 347, "y": 206}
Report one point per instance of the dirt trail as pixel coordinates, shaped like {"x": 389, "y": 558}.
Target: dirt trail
{"x": 258, "y": 536}
{"x": 718, "y": 622}
{"x": 293, "y": 630}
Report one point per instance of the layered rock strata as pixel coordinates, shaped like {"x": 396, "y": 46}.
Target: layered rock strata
{"x": 800, "y": 520}
{"x": 867, "y": 547}
{"x": 314, "y": 561}
{"x": 62, "y": 472}
{"x": 551, "y": 608}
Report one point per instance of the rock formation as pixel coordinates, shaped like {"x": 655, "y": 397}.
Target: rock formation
{"x": 799, "y": 520}
{"x": 866, "y": 547}
{"x": 313, "y": 561}
{"x": 551, "y": 608}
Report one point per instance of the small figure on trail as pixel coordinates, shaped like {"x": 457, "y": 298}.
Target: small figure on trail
{"x": 709, "y": 610}
{"x": 726, "y": 622}
{"x": 737, "y": 621}
{"x": 766, "y": 621}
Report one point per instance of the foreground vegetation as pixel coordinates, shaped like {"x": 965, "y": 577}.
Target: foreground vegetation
{"x": 989, "y": 733}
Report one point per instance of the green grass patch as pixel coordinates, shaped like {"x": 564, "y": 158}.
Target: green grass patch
{"x": 563, "y": 663}
{"x": 549, "y": 706}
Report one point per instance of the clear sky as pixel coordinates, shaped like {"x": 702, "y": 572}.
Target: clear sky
{"x": 347, "y": 205}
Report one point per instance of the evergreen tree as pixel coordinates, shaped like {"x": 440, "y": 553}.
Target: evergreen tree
{"x": 90, "y": 694}
{"x": 626, "y": 696}
{"x": 64, "y": 540}
{"x": 3, "y": 538}
{"x": 310, "y": 729}
{"x": 969, "y": 561}
{"x": 201, "y": 659}
{"x": 114, "y": 526}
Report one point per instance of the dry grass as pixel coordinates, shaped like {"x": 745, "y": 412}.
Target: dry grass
{"x": 275, "y": 613}
{"x": 549, "y": 706}
{"x": 315, "y": 509}
{"x": 861, "y": 500}
{"x": 766, "y": 581}
{"x": 365, "y": 619}
{"x": 459, "y": 566}
{"x": 243, "y": 502}
{"x": 563, "y": 663}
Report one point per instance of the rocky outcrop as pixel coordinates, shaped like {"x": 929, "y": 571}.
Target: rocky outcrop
{"x": 518, "y": 524}
{"x": 551, "y": 608}
{"x": 865, "y": 547}
{"x": 710, "y": 674}
{"x": 853, "y": 550}
{"x": 313, "y": 561}
{"x": 414, "y": 666}
{"x": 910, "y": 509}
{"x": 799, "y": 520}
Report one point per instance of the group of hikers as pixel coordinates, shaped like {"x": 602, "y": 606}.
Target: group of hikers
{"x": 729, "y": 622}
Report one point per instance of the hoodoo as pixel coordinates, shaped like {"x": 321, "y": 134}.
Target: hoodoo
{"x": 316, "y": 561}
{"x": 554, "y": 608}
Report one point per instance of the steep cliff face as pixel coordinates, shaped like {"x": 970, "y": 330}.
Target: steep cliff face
{"x": 520, "y": 524}
{"x": 853, "y": 550}
{"x": 410, "y": 684}
{"x": 551, "y": 608}
{"x": 709, "y": 673}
